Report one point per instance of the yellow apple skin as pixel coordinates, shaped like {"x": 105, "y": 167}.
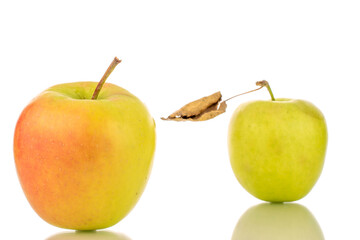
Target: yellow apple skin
{"x": 277, "y": 222}
{"x": 277, "y": 148}
{"x": 83, "y": 164}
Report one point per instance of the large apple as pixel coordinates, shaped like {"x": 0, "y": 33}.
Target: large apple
{"x": 277, "y": 222}
{"x": 83, "y": 157}
{"x": 277, "y": 147}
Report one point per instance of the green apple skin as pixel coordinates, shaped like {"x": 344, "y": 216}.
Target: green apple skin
{"x": 83, "y": 164}
{"x": 277, "y": 221}
{"x": 277, "y": 148}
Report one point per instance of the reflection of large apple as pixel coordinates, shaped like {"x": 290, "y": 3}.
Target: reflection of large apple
{"x": 277, "y": 148}
{"x": 89, "y": 235}
{"x": 83, "y": 163}
{"x": 277, "y": 221}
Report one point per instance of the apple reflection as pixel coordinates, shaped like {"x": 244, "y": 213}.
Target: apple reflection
{"x": 89, "y": 235}
{"x": 278, "y": 221}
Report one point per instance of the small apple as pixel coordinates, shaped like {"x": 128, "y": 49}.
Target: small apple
{"x": 276, "y": 221}
{"x": 277, "y": 147}
{"x": 83, "y": 157}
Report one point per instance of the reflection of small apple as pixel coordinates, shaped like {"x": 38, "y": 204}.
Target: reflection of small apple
{"x": 277, "y": 222}
{"x": 277, "y": 147}
{"x": 84, "y": 161}
{"x": 89, "y": 235}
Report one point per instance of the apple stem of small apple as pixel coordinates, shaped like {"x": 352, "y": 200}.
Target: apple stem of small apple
{"x": 266, "y": 84}
{"x": 262, "y": 84}
{"x": 111, "y": 68}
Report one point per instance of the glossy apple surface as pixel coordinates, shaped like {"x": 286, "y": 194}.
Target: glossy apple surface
{"x": 83, "y": 164}
{"x": 277, "y": 148}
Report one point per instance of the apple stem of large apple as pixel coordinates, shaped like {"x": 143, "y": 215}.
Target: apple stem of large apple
{"x": 266, "y": 84}
{"x": 111, "y": 68}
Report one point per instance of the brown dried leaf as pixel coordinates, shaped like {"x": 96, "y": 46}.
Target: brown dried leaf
{"x": 197, "y": 107}
{"x": 200, "y": 110}
{"x": 212, "y": 113}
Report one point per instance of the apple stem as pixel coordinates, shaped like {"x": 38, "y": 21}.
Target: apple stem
{"x": 266, "y": 84}
{"x": 111, "y": 68}
{"x": 262, "y": 84}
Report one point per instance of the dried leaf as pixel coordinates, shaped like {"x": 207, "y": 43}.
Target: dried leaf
{"x": 200, "y": 110}
{"x": 212, "y": 113}
{"x": 197, "y": 107}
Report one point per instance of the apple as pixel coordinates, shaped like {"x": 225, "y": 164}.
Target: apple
{"x": 83, "y": 157}
{"x": 277, "y": 147}
{"x": 277, "y": 222}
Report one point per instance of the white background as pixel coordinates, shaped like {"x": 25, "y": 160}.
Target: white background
{"x": 174, "y": 52}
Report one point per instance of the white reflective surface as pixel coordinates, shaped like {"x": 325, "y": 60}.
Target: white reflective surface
{"x": 277, "y": 221}
{"x": 91, "y": 235}
{"x": 176, "y": 52}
